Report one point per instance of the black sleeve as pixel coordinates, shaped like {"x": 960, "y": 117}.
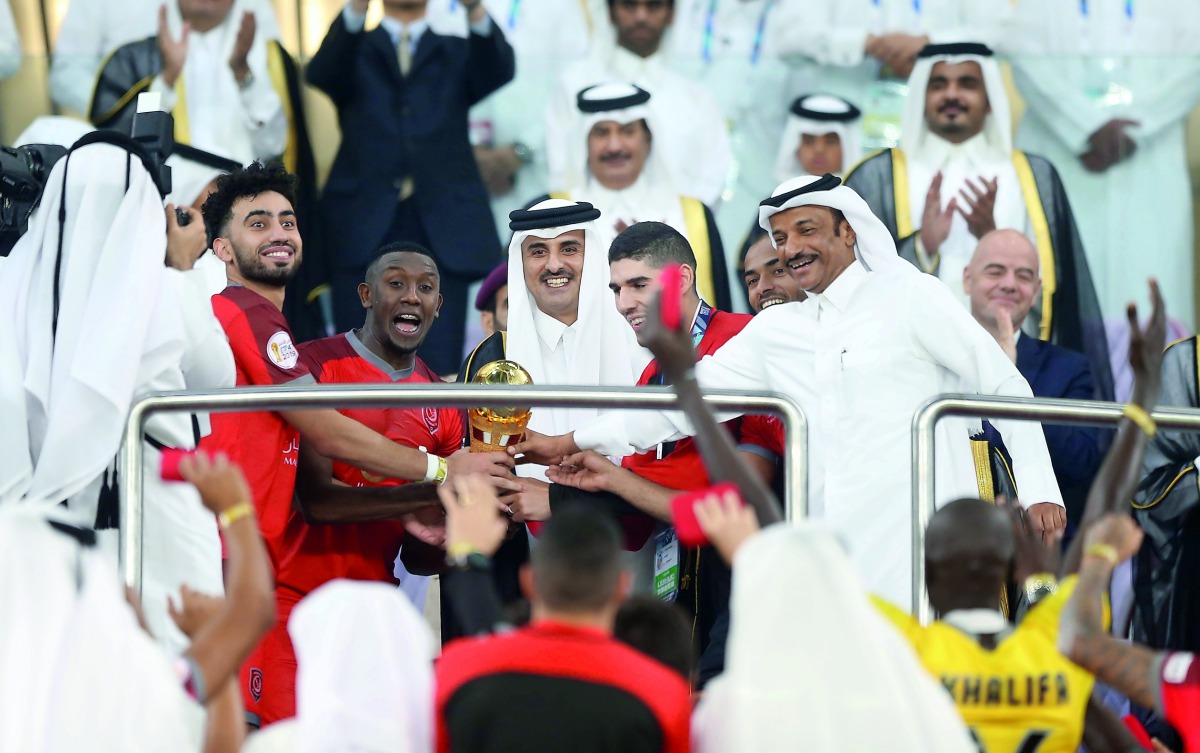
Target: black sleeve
{"x": 472, "y": 597}
{"x": 720, "y": 269}
{"x": 331, "y": 69}
{"x": 607, "y": 502}
{"x": 492, "y": 63}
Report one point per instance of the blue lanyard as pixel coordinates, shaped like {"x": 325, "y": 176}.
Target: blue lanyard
{"x": 1083, "y": 9}
{"x": 703, "y": 316}
{"x": 513, "y": 9}
{"x": 759, "y": 32}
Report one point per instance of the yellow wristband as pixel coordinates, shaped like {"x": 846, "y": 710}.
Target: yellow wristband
{"x": 1139, "y": 416}
{"x": 1104, "y": 552}
{"x": 442, "y": 469}
{"x": 460, "y": 549}
{"x": 231, "y": 515}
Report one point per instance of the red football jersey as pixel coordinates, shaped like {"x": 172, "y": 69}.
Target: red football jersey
{"x": 262, "y": 443}
{"x": 1180, "y": 690}
{"x": 314, "y": 554}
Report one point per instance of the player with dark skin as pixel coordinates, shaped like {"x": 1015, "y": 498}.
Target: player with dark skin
{"x": 401, "y": 299}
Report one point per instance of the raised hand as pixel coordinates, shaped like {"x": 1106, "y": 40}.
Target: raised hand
{"x": 673, "y": 350}
{"x": 239, "y": 57}
{"x": 935, "y": 221}
{"x": 1116, "y": 530}
{"x": 1006, "y": 334}
{"x": 173, "y": 51}
{"x": 726, "y": 522}
{"x": 219, "y": 480}
{"x": 1146, "y": 349}
{"x": 981, "y": 218}
{"x": 473, "y": 516}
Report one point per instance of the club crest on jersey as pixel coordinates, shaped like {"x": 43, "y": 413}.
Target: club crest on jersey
{"x": 430, "y": 416}
{"x": 281, "y": 351}
{"x": 256, "y": 683}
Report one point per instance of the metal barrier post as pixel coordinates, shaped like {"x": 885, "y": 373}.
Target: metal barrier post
{"x": 1077, "y": 412}
{"x": 439, "y": 395}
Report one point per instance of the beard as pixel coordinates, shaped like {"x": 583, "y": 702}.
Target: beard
{"x": 252, "y": 266}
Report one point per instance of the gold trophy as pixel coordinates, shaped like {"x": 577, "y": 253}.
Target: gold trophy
{"x": 495, "y": 429}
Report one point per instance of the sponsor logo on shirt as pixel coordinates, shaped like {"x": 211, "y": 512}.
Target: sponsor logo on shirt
{"x": 281, "y": 351}
{"x": 256, "y": 682}
{"x": 430, "y": 416}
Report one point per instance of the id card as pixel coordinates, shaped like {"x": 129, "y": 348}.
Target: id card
{"x": 666, "y": 565}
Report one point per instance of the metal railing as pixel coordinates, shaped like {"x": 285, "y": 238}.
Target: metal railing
{"x": 432, "y": 395}
{"x": 1075, "y": 412}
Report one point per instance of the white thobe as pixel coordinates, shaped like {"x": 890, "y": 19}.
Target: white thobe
{"x": 94, "y": 28}
{"x": 644, "y": 201}
{"x": 860, "y": 359}
{"x": 692, "y": 133}
{"x": 825, "y": 40}
{"x": 244, "y": 124}
{"x": 545, "y": 35}
{"x": 1136, "y": 217}
{"x": 10, "y": 43}
{"x": 726, "y": 47}
{"x": 971, "y": 160}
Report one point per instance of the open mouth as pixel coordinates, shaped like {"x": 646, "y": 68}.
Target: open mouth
{"x": 769, "y": 302}
{"x": 557, "y": 282}
{"x": 636, "y": 321}
{"x": 407, "y": 324}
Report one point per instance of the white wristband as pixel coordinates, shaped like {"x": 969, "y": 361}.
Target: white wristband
{"x": 431, "y": 467}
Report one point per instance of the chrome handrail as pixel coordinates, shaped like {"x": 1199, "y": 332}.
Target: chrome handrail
{"x": 436, "y": 395}
{"x": 1076, "y": 412}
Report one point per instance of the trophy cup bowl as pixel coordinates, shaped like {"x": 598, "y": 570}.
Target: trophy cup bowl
{"x": 496, "y": 429}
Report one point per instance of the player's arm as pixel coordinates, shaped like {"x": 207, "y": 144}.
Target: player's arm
{"x": 321, "y": 500}
{"x": 677, "y": 358}
{"x": 1127, "y": 667}
{"x": 223, "y": 632}
{"x": 1121, "y": 470}
{"x": 1104, "y": 732}
{"x": 341, "y": 438}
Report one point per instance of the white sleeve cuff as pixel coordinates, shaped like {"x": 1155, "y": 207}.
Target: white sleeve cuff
{"x": 355, "y": 22}
{"x": 484, "y": 27}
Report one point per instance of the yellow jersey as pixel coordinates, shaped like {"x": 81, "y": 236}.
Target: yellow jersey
{"x": 1023, "y": 696}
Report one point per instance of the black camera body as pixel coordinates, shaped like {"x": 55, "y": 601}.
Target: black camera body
{"x": 25, "y": 169}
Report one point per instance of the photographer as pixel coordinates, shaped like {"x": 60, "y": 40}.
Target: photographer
{"x": 94, "y": 317}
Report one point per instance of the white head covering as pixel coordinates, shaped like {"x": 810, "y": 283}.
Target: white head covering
{"x": 622, "y": 103}
{"x": 54, "y": 129}
{"x": 193, "y": 169}
{"x": 606, "y": 352}
{"x": 364, "y": 678}
{"x": 875, "y": 248}
{"x": 997, "y": 126}
{"x": 812, "y": 666}
{"x": 65, "y": 393}
{"x": 78, "y": 672}
{"x": 816, "y": 115}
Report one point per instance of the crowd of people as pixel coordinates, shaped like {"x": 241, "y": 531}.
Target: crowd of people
{"x": 428, "y": 578}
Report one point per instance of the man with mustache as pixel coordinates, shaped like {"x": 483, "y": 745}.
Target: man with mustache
{"x": 958, "y": 177}
{"x": 692, "y": 131}
{"x": 859, "y": 358}
{"x": 617, "y": 164}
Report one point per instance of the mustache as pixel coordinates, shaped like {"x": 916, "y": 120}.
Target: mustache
{"x": 557, "y": 273}
{"x": 614, "y": 156}
{"x": 951, "y": 103}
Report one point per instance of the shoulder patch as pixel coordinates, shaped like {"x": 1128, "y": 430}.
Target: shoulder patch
{"x": 281, "y": 351}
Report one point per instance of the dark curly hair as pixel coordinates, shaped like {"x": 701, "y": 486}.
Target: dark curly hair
{"x": 250, "y": 181}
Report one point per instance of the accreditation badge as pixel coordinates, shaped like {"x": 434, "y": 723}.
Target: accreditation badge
{"x": 666, "y": 565}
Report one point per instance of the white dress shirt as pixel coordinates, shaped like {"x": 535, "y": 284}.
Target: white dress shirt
{"x": 860, "y": 359}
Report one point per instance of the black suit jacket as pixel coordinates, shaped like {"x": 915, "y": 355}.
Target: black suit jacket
{"x": 1075, "y": 451}
{"x": 394, "y": 125}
